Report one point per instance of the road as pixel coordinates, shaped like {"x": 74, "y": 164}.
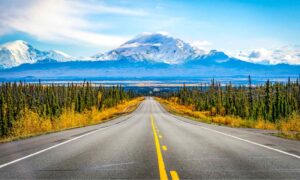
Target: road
{"x": 151, "y": 143}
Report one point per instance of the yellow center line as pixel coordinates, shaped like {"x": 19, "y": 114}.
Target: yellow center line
{"x": 161, "y": 165}
{"x": 164, "y": 148}
{"x": 174, "y": 175}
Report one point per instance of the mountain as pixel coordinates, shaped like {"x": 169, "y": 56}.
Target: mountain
{"x": 152, "y": 47}
{"x": 20, "y": 52}
{"x": 127, "y": 69}
{"x": 146, "y": 56}
{"x": 58, "y": 56}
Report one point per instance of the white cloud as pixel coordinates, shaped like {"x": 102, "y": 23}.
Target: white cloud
{"x": 165, "y": 33}
{"x": 65, "y": 21}
{"x": 98, "y": 8}
{"x": 286, "y": 54}
{"x": 201, "y": 43}
{"x": 204, "y": 46}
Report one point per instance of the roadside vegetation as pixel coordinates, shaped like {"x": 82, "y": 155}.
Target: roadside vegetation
{"x": 274, "y": 106}
{"x": 32, "y": 109}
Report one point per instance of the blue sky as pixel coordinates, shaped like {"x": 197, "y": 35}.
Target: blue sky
{"x": 82, "y": 28}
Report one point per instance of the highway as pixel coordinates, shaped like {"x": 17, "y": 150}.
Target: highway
{"x": 151, "y": 143}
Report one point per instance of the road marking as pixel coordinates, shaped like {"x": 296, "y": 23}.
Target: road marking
{"x": 161, "y": 165}
{"x": 65, "y": 142}
{"x": 174, "y": 175}
{"x": 160, "y": 136}
{"x": 47, "y": 149}
{"x": 241, "y": 139}
{"x": 164, "y": 148}
{"x": 251, "y": 142}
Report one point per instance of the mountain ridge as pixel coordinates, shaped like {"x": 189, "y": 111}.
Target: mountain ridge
{"x": 154, "y": 47}
{"x": 19, "y": 52}
{"x": 151, "y": 47}
{"x": 51, "y": 69}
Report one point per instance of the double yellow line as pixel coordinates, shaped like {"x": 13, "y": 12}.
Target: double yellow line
{"x": 161, "y": 165}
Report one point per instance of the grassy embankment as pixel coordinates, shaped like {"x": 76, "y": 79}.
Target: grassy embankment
{"x": 31, "y": 124}
{"x": 288, "y": 128}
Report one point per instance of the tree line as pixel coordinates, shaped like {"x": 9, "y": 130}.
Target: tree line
{"x": 50, "y": 100}
{"x": 268, "y": 101}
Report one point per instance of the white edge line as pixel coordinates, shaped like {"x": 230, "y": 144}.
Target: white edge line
{"x": 51, "y": 147}
{"x": 251, "y": 142}
{"x": 245, "y": 140}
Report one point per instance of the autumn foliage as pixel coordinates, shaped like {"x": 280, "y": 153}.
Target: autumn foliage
{"x": 30, "y": 109}
{"x": 273, "y": 106}
{"x": 32, "y": 123}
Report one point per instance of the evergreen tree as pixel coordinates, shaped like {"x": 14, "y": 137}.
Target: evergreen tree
{"x": 250, "y": 96}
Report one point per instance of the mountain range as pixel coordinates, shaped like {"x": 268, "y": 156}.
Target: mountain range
{"x": 147, "y": 55}
{"x": 145, "y": 47}
{"x": 19, "y": 52}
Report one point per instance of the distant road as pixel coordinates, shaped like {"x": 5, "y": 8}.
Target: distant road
{"x": 150, "y": 143}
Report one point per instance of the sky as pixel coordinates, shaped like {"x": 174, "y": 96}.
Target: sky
{"x": 252, "y": 30}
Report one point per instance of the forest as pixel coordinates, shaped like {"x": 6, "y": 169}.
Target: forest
{"x": 271, "y": 103}
{"x": 27, "y": 109}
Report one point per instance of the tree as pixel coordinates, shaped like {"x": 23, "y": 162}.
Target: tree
{"x": 250, "y": 96}
{"x": 267, "y": 101}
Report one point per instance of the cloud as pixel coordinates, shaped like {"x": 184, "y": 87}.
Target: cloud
{"x": 101, "y": 8}
{"x": 201, "y": 43}
{"x": 66, "y": 21}
{"x": 286, "y": 54}
{"x": 204, "y": 45}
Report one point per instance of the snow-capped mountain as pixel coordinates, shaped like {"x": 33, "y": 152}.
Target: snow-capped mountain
{"x": 155, "y": 47}
{"x": 59, "y": 56}
{"x": 145, "y": 48}
{"x": 20, "y": 52}
{"x": 148, "y": 55}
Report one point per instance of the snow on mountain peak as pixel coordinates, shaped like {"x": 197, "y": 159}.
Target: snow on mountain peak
{"x": 19, "y": 52}
{"x": 16, "y": 53}
{"x": 16, "y": 45}
{"x": 217, "y": 56}
{"x": 158, "y": 47}
{"x": 59, "y": 56}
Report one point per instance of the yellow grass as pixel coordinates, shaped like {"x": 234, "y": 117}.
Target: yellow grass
{"x": 32, "y": 124}
{"x": 289, "y": 128}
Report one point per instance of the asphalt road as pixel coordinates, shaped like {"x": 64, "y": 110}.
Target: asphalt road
{"x": 150, "y": 143}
